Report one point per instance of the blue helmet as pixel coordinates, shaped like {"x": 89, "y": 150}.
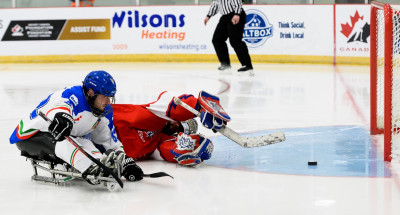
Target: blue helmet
{"x": 101, "y": 83}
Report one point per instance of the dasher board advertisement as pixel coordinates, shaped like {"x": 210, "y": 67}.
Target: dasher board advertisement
{"x": 269, "y": 30}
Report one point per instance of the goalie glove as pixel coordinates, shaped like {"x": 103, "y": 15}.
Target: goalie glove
{"x": 190, "y": 126}
{"x": 212, "y": 115}
{"x": 174, "y": 127}
{"x": 192, "y": 149}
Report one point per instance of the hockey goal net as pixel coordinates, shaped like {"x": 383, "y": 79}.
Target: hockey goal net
{"x": 385, "y": 76}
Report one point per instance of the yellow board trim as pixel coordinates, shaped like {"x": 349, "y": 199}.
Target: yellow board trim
{"x": 310, "y": 59}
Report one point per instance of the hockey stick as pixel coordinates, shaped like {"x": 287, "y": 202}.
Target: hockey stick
{"x": 247, "y": 142}
{"x": 156, "y": 175}
{"x": 73, "y": 142}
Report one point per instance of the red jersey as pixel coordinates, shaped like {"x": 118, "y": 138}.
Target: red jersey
{"x": 139, "y": 126}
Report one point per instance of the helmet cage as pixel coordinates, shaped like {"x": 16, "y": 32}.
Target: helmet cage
{"x": 96, "y": 111}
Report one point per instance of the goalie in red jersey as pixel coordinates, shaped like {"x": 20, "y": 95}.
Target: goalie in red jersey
{"x": 169, "y": 128}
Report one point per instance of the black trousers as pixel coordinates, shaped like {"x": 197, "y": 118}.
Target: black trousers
{"x": 224, "y": 30}
{"x": 40, "y": 146}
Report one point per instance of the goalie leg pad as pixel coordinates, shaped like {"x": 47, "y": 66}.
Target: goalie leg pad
{"x": 192, "y": 149}
{"x": 188, "y": 160}
{"x": 205, "y": 149}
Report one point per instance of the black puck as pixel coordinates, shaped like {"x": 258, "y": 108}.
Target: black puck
{"x": 313, "y": 163}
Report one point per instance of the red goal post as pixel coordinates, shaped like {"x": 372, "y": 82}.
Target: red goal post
{"x": 385, "y": 76}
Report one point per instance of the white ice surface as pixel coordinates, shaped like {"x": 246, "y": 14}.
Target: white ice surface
{"x": 279, "y": 96}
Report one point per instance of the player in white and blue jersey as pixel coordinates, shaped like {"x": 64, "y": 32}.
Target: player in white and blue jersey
{"x": 84, "y": 113}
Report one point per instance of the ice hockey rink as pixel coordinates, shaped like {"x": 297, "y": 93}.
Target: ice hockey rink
{"x": 322, "y": 109}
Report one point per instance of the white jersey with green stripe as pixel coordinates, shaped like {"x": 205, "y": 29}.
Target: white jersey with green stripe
{"x": 71, "y": 100}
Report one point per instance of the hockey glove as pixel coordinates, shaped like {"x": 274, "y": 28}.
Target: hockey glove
{"x": 190, "y": 126}
{"x": 120, "y": 156}
{"x": 61, "y": 126}
{"x": 131, "y": 171}
{"x": 96, "y": 171}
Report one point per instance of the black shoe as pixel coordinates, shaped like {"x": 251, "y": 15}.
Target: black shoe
{"x": 245, "y": 68}
{"x": 224, "y": 67}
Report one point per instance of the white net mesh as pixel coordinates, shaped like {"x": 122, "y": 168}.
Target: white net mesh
{"x": 380, "y": 42}
{"x": 396, "y": 86}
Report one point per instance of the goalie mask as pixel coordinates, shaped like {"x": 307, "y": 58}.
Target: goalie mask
{"x": 103, "y": 84}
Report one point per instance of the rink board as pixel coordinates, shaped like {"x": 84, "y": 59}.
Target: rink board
{"x": 273, "y": 33}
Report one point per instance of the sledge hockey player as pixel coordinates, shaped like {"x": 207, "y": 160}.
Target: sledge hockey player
{"x": 170, "y": 128}
{"x": 85, "y": 114}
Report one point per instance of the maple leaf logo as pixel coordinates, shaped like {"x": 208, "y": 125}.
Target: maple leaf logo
{"x": 347, "y": 29}
{"x": 357, "y": 30}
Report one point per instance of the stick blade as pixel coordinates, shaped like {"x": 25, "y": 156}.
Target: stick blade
{"x": 157, "y": 175}
{"x": 264, "y": 140}
{"x": 250, "y": 142}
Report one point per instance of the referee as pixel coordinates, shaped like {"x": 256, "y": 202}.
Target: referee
{"x": 83, "y": 3}
{"x": 231, "y": 25}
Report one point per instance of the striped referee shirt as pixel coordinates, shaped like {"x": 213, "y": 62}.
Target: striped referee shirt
{"x": 225, "y": 7}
